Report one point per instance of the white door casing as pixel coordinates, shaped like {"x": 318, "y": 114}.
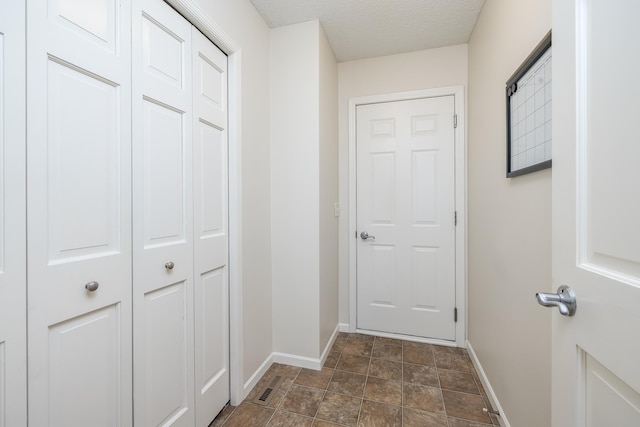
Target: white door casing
{"x": 13, "y": 295}
{"x": 163, "y": 212}
{"x": 596, "y": 232}
{"x": 210, "y": 219}
{"x": 405, "y": 233}
{"x": 78, "y": 212}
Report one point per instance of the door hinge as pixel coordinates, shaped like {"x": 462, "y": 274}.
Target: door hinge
{"x": 455, "y": 314}
{"x": 455, "y": 217}
{"x": 455, "y": 121}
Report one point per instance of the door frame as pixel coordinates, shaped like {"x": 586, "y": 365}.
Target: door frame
{"x": 460, "y": 205}
{"x": 193, "y": 13}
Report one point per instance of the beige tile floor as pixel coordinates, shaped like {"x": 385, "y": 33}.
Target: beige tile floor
{"x": 370, "y": 381}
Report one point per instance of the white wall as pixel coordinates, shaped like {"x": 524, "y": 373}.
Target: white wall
{"x": 328, "y": 190}
{"x": 509, "y": 222}
{"x": 425, "y": 69}
{"x": 295, "y": 183}
{"x": 303, "y": 176}
{"x": 245, "y": 26}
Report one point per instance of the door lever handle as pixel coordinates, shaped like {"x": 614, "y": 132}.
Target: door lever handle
{"x": 364, "y": 236}
{"x": 565, "y": 300}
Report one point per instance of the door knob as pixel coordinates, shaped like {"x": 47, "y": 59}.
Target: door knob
{"x": 91, "y": 286}
{"x": 169, "y": 265}
{"x": 565, "y": 300}
{"x": 364, "y": 236}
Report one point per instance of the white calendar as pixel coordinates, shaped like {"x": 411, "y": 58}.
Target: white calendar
{"x": 529, "y": 101}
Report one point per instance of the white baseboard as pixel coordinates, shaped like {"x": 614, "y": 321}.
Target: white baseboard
{"x": 256, "y": 376}
{"x": 327, "y": 348}
{"x": 297, "y": 361}
{"x": 504, "y": 422}
{"x": 344, "y": 327}
{"x": 289, "y": 359}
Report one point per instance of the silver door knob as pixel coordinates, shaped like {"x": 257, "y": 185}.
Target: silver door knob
{"x": 169, "y": 265}
{"x": 91, "y": 286}
{"x": 364, "y": 236}
{"x": 565, "y": 300}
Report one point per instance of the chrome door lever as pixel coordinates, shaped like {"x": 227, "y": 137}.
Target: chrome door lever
{"x": 565, "y": 300}
{"x": 364, "y": 236}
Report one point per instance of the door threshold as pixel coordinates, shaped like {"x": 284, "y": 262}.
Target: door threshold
{"x": 436, "y": 341}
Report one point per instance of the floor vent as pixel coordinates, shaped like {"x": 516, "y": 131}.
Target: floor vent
{"x": 268, "y": 392}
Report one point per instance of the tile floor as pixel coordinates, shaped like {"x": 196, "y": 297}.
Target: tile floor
{"x": 370, "y": 381}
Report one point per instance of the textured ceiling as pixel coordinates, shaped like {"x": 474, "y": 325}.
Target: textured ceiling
{"x": 366, "y": 28}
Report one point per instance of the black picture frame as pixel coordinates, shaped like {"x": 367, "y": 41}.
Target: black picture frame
{"x": 511, "y": 88}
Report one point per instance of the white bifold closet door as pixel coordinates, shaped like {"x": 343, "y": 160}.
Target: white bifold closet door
{"x": 79, "y": 212}
{"x": 180, "y": 285}
{"x": 162, "y": 211}
{"x": 210, "y": 219}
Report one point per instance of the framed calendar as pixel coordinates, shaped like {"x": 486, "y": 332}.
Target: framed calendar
{"x": 528, "y": 94}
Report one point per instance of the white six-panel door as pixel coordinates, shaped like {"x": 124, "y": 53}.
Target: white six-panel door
{"x": 406, "y": 201}
{"x": 162, "y": 211}
{"x": 79, "y": 212}
{"x": 13, "y": 325}
{"x": 210, "y": 215}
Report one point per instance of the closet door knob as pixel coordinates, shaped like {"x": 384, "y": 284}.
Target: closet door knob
{"x": 169, "y": 265}
{"x": 91, "y": 286}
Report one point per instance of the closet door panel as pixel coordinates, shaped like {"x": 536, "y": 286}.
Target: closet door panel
{"x": 13, "y": 334}
{"x": 79, "y": 212}
{"x": 73, "y": 374}
{"x": 83, "y": 165}
{"x": 166, "y": 329}
{"x": 163, "y": 211}
{"x": 164, "y": 175}
{"x": 211, "y": 285}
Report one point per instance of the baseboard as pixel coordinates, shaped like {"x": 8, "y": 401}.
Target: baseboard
{"x": 297, "y": 361}
{"x": 493, "y": 399}
{"x": 256, "y": 376}
{"x": 289, "y": 359}
{"x": 327, "y": 348}
{"x": 344, "y": 327}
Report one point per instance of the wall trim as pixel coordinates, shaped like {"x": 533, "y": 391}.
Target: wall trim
{"x": 256, "y": 376}
{"x": 327, "y": 348}
{"x": 307, "y": 362}
{"x": 288, "y": 359}
{"x": 460, "y": 198}
{"x": 194, "y": 14}
{"x": 493, "y": 399}
{"x": 344, "y": 327}
{"x": 297, "y": 361}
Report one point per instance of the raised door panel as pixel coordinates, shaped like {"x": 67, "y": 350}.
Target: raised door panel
{"x": 83, "y": 165}
{"x": 13, "y": 334}
{"x": 424, "y": 278}
{"x": 79, "y": 213}
{"x": 210, "y": 172}
{"x": 163, "y": 216}
{"x": 92, "y": 20}
{"x": 84, "y": 385}
{"x": 165, "y": 185}
{"x": 166, "y": 362}
{"x": 424, "y": 189}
